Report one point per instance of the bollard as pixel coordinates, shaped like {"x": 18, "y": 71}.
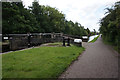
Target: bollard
{"x": 80, "y": 44}
{"x": 63, "y": 41}
{"x": 68, "y": 42}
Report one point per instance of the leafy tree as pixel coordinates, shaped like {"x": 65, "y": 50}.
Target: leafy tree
{"x": 37, "y": 19}
{"x": 110, "y": 25}
{"x": 19, "y": 19}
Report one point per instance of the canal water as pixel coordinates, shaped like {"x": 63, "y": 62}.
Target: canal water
{"x": 92, "y": 37}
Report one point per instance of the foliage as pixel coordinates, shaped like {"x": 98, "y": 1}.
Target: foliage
{"x": 16, "y": 19}
{"x": 42, "y": 62}
{"x": 37, "y": 19}
{"x": 110, "y": 25}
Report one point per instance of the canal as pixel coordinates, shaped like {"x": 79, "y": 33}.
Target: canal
{"x": 92, "y": 37}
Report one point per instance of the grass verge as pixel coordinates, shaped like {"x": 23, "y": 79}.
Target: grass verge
{"x": 110, "y": 43}
{"x": 42, "y": 62}
{"x": 94, "y": 39}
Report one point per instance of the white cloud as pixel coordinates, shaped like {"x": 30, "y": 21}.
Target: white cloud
{"x": 86, "y": 12}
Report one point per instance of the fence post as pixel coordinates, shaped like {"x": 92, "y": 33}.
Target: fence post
{"x": 10, "y": 43}
{"x": 29, "y": 40}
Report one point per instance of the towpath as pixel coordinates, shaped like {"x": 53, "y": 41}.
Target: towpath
{"x": 97, "y": 61}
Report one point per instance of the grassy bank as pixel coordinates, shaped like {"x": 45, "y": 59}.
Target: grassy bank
{"x": 42, "y": 62}
{"x": 94, "y": 39}
{"x": 110, "y": 43}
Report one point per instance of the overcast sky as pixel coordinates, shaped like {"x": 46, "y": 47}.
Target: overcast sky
{"x": 86, "y": 12}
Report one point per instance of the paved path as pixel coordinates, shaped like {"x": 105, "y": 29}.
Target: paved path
{"x": 98, "y": 61}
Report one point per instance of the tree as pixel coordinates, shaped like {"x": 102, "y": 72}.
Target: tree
{"x": 110, "y": 25}
{"x": 37, "y": 19}
{"x": 19, "y": 19}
